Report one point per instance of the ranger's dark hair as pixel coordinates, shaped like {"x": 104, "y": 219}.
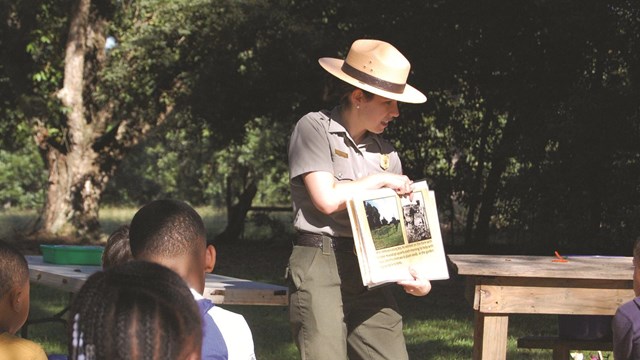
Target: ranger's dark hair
{"x": 166, "y": 228}
{"x": 136, "y": 310}
{"x": 339, "y": 91}
{"x": 14, "y": 269}
{"x": 117, "y": 251}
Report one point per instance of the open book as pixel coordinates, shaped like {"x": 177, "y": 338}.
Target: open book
{"x": 392, "y": 233}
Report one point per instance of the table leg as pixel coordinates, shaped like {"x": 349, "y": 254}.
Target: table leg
{"x": 490, "y": 336}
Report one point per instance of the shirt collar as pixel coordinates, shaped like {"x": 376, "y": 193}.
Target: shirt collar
{"x": 204, "y": 304}
{"x": 335, "y": 122}
{"x": 335, "y": 126}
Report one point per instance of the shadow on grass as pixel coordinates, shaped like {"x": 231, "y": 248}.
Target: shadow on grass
{"x": 45, "y": 302}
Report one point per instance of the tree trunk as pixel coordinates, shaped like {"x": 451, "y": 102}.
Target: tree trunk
{"x": 82, "y": 160}
{"x": 73, "y": 196}
{"x": 75, "y": 183}
{"x": 57, "y": 211}
{"x": 237, "y": 213}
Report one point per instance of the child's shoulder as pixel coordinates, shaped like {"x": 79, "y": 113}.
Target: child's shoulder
{"x": 20, "y": 348}
{"x": 230, "y": 322}
{"x": 223, "y": 314}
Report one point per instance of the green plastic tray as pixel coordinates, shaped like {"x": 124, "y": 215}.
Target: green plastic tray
{"x": 72, "y": 254}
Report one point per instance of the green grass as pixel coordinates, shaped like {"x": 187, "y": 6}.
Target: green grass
{"x": 437, "y": 326}
{"x": 387, "y": 236}
{"x": 45, "y": 302}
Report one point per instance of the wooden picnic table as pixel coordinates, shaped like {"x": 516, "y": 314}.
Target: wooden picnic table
{"x": 218, "y": 288}
{"x": 500, "y": 285}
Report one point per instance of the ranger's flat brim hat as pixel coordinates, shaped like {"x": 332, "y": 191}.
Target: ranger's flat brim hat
{"x": 377, "y": 67}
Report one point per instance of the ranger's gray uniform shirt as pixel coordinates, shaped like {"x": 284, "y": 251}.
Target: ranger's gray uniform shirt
{"x": 319, "y": 142}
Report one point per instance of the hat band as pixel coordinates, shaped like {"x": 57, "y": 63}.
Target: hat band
{"x": 372, "y": 80}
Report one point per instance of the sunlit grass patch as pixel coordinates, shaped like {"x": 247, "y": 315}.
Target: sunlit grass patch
{"x": 13, "y": 221}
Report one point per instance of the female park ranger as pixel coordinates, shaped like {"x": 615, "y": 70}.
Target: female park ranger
{"x": 333, "y": 153}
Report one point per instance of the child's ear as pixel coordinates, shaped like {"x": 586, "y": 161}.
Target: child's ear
{"x": 18, "y": 301}
{"x": 210, "y": 259}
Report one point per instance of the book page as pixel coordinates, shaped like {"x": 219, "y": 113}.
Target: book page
{"x": 356, "y": 229}
{"x": 394, "y": 233}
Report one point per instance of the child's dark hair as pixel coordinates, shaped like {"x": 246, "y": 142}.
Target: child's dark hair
{"x": 135, "y": 310}
{"x": 161, "y": 220}
{"x": 117, "y": 251}
{"x": 13, "y": 268}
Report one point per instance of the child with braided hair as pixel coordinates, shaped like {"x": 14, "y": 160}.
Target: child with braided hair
{"x": 14, "y": 306}
{"x": 172, "y": 233}
{"x": 136, "y": 310}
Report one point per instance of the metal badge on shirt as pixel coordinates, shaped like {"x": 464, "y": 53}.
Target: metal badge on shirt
{"x": 385, "y": 160}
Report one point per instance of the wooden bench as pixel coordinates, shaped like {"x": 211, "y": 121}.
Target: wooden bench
{"x": 562, "y": 347}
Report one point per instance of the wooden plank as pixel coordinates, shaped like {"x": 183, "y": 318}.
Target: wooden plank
{"x": 247, "y": 297}
{"x": 550, "y": 296}
{"x": 490, "y": 336}
{"x": 69, "y": 283}
{"x": 232, "y": 291}
{"x": 595, "y": 267}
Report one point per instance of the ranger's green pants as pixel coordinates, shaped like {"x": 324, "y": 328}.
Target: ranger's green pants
{"x": 333, "y": 316}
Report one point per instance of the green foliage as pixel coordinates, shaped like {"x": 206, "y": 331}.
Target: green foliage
{"x": 44, "y": 46}
{"x": 23, "y": 177}
{"x": 257, "y": 156}
{"x": 210, "y": 61}
{"x": 28, "y": 54}
{"x": 530, "y": 131}
{"x": 529, "y": 111}
{"x": 169, "y": 164}
{"x": 183, "y": 164}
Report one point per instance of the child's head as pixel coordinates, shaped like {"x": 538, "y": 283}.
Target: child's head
{"x": 117, "y": 251}
{"x": 172, "y": 233}
{"x": 135, "y": 310}
{"x": 14, "y": 289}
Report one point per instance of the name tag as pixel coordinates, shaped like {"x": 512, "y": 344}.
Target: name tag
{"x": 342, "y": 154}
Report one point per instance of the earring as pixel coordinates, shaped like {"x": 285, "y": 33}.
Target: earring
{"x": 358, "y": 107}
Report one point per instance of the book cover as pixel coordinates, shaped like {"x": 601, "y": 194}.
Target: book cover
{"x": 393, "y": 233}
